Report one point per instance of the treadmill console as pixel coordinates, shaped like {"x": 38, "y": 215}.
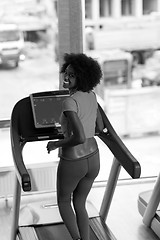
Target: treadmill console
{"x": 46, "y": 108}
{"x": 38, "y": 116}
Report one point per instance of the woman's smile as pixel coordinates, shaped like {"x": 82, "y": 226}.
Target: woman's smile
{"x": 66, "y": 83}
{"x": 69, "y": 80}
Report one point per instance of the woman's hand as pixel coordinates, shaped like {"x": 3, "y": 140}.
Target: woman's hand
{"x": 77, "y": 136}
{"x": 51, "y": 146}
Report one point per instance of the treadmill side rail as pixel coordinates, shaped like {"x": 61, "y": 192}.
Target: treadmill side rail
{"x": 118, "y": 148}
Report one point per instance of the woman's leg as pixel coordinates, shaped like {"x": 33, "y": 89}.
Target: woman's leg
{"x": 81, "y": 192}
{"x": 67, "y": 180}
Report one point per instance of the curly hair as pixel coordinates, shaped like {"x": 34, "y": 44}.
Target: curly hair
{"x": 87, "y": 70}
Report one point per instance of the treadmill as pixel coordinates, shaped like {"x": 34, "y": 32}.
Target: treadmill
{"x": 36, "y": 118}
{"x": 149, "y": 207}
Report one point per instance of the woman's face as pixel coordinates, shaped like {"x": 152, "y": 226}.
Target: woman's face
{"x": 69, "y": 80}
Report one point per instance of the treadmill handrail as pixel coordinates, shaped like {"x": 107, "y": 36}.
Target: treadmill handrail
{"x": 17, "y": 147}
{"x": 118, "y": 148}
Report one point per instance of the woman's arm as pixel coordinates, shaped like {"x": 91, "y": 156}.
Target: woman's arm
{"x": 99, "y": 122}
{"x": 78, "y": 136}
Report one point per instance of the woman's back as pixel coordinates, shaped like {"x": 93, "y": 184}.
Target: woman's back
{"x": 86, "y": 111}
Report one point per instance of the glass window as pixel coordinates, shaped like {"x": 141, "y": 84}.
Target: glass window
{"x": 105, "y": 8}
{"x": 32, "y": 66}
{"x": 127, "y": 7}
{"x": 28, "y": 59}
{"x": 88, "y": 9}
{"x": 7, "y": 36}
{"x": 149, "y": 6}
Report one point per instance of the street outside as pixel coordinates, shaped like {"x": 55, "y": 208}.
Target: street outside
{"x": 35, "y": 74}
{"x": 40, "y": 73}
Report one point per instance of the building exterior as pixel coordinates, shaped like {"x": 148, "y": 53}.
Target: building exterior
{"x": 96, "y": 9}
{"x": 131, "y": 25}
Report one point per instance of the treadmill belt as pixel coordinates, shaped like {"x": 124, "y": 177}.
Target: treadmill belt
{"x": 56, "y": 232}
{"x": 51, "y": 232}
{"x": 99, "y": 231}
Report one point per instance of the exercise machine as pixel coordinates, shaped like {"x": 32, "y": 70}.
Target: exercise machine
{"x": 36, "y": 118}
{"x": 149, "y": 208}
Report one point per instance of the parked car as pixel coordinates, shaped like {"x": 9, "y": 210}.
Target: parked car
{"x": 11, "y": 43}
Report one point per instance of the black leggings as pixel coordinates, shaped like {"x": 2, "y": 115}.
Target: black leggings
{"x": 75, "y": 179}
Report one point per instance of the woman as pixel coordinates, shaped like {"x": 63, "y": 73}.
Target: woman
{"x": 79, "y": 155}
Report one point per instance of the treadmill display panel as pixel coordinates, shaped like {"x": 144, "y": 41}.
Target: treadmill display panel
{"x": 47, "y": 110}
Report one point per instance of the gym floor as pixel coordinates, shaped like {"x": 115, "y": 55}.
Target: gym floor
{"x": 123, "y": 219}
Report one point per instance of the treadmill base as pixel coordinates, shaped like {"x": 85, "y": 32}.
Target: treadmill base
{"x": 143, "y": 201}
{"x": 98, "y": 231}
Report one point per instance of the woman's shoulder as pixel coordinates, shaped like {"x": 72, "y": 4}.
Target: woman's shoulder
{"x": 83, "y": 97}
{"x": 69, "y": 103}
{"x": 80, "y": 94}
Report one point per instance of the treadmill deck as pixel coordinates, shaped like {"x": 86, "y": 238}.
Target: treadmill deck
{"x": 143, "y": 201}
{"x": 46, "y": 212}
{"x": 58, "y": 231}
